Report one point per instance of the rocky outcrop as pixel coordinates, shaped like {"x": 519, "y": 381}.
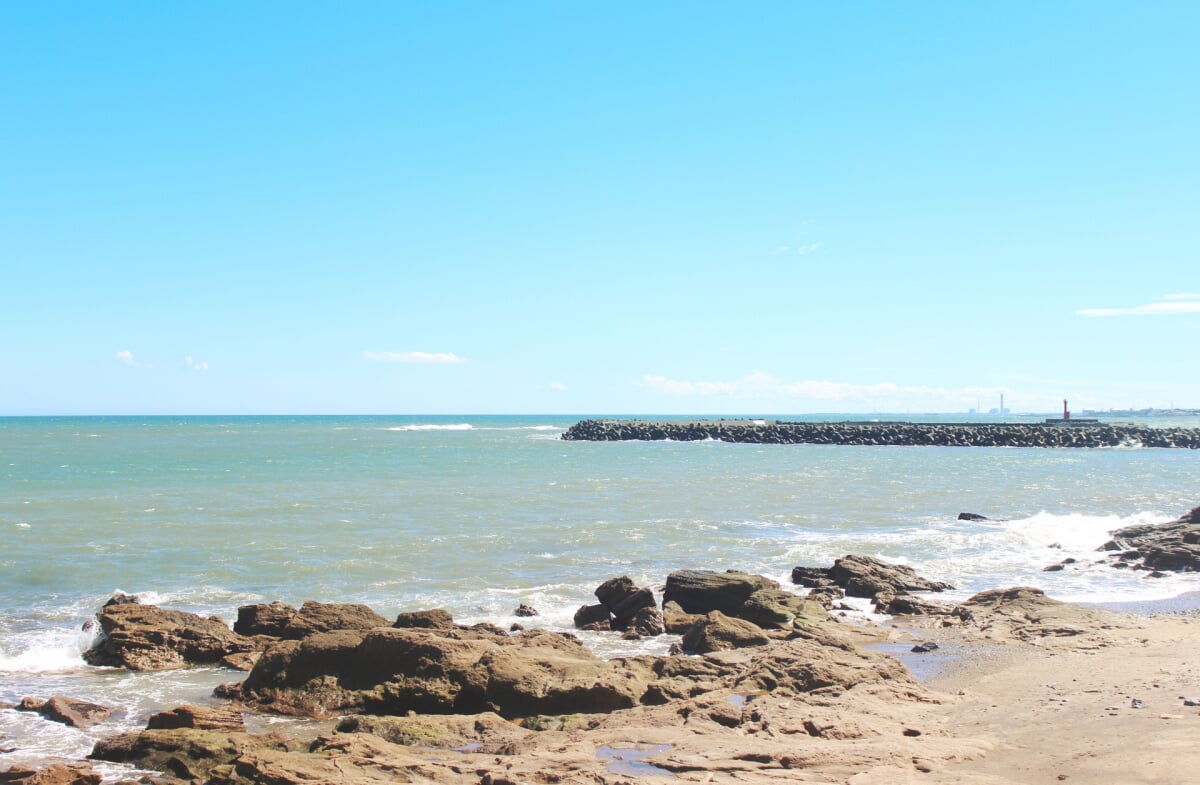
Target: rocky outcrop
{"x": 718, "y": 632}
{"x": 54, "y": 774}
{"x": 693, "y": 702}
{"x": 435, "y": 671}
{"x": 280, "y": 620}
{"x": 1026, "y": 614}
{"x": 68, "y": 711}
{"x": 1166, "y": 547}
{"x": 886, "y": 584}
{"x": 435, "y": 619}
{"x": 186, "y": 753}
{"x": 148, "y": 638}
{"x": 1077, "y": 434}
{"x": 219, "y": 718}
{"x": 741, "y": 595}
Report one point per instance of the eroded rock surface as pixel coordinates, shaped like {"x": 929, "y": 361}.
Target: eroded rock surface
{"x": 148, "y": 638}
{"x": 1169, "y": 547}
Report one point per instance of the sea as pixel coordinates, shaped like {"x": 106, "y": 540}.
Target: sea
{"x": 478, "y": 514}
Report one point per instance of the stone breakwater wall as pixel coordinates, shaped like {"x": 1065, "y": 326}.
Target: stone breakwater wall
{"x": 887, "y": 433}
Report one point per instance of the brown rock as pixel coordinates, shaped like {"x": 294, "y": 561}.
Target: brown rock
{"x": 435, "y": 619}
{"x": 149, "y": 638}
{"x": 54, "y": 774}
{"x": 910, "y": 605}
{"x": 183, "y": 752}
{"x": 592, "y": 614}
{"x": 394, "y": 671}
{"x": 314, "y": 617}
{"x": 702, "y": 591}
{"x": 220, "y": 718}
{"x": 68, "y": 711}
{"x": 264, "y": 619}
{"x": 718, "y": 632}
{"x": 865, "y": 576}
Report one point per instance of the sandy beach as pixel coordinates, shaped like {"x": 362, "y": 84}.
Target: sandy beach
{"x": 1103, "y": 707}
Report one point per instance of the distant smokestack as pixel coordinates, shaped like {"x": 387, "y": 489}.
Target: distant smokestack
{"x": 1066, "y": 412}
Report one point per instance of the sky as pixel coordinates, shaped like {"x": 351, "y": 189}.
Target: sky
{"x": 620, "y": 207}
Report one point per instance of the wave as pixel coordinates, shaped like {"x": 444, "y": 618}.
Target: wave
{"x": 430, "y": 427}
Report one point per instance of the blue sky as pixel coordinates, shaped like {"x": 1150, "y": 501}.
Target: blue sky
{"x": 577, "y": 208}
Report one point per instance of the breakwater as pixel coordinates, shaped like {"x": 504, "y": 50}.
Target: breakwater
{"x": 1051, "y": 434}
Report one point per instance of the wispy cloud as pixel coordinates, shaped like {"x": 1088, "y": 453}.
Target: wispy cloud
{"x": 781, "y": 249}
{"x": 760, "y": 386}
{"x": 807, "y": 249}
{"x": 196, "y": 366}
{"x": 428, "y": 358}
{"x": 1164, "y": 306}
{"x": 125, "y": 357}
{"x": 559, "y": 386}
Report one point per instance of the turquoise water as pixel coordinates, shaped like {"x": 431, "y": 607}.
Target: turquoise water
{"x": 478, "y": 514}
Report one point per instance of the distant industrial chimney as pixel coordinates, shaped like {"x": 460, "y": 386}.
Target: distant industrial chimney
{"x": 1066, "y": 412}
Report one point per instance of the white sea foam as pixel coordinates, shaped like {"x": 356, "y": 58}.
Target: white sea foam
{"x": 431, "y": 427}
{"x": 49, "y": 650}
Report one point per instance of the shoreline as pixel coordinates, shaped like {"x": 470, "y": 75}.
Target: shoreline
{"x": 1012, "y": 700}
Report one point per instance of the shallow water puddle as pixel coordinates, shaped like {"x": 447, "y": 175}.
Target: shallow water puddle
{"x": 628, "y": 760}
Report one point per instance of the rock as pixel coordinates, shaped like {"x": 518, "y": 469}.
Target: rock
{"x": 1166, "y": 547}
{"x": 314, "y": 617}
{"x": 675, "y": 620}
{"x": 525, "y": 611}
{"x": 924, "y": 648}
{"x": 183, "y": 752}
{"x": 54, "y": 774}
{"x": 68, "y": 711}
{"x": 647, "y": 623}
{"x": 264, "y": 619}
{"x": 436, "y": 619}
{"x": 718, "y": 632}
{"x": 220, "y": 718}
{"x": 487, "y": 732}
{"x": 588, "y": 615}
{"x": 865, "y": 576}
{"x": 812, "y": 577}
{"x": 394, "y": 671}
{"x": 777, "y": 608}
{"x": 971, "y": 516}
{"x": 149, "y": 638}
{"x": 623, "y": 599}
{"x": 910, "y": 605}
{"x": 703, "y": 591}
{"x": 1026, "y": 613}
{"x": 241, "y": 661}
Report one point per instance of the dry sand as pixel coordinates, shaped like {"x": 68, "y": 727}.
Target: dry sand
{"x": 1061, "y": 709}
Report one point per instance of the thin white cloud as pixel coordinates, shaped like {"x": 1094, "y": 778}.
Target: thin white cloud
{"x": 197, "y": 366}
{"x": 428, "y": 358}
{"x": 761, "y": 386}
{"x": 125, "y": 357}
{"x": 1165, "y": 306}
{"x": 559, "y": 386}
{"x": 807, "y": 249}
{"x": 781, "y": 249}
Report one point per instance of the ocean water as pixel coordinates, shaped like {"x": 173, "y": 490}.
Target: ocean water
{"x": 477, "y": 514}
